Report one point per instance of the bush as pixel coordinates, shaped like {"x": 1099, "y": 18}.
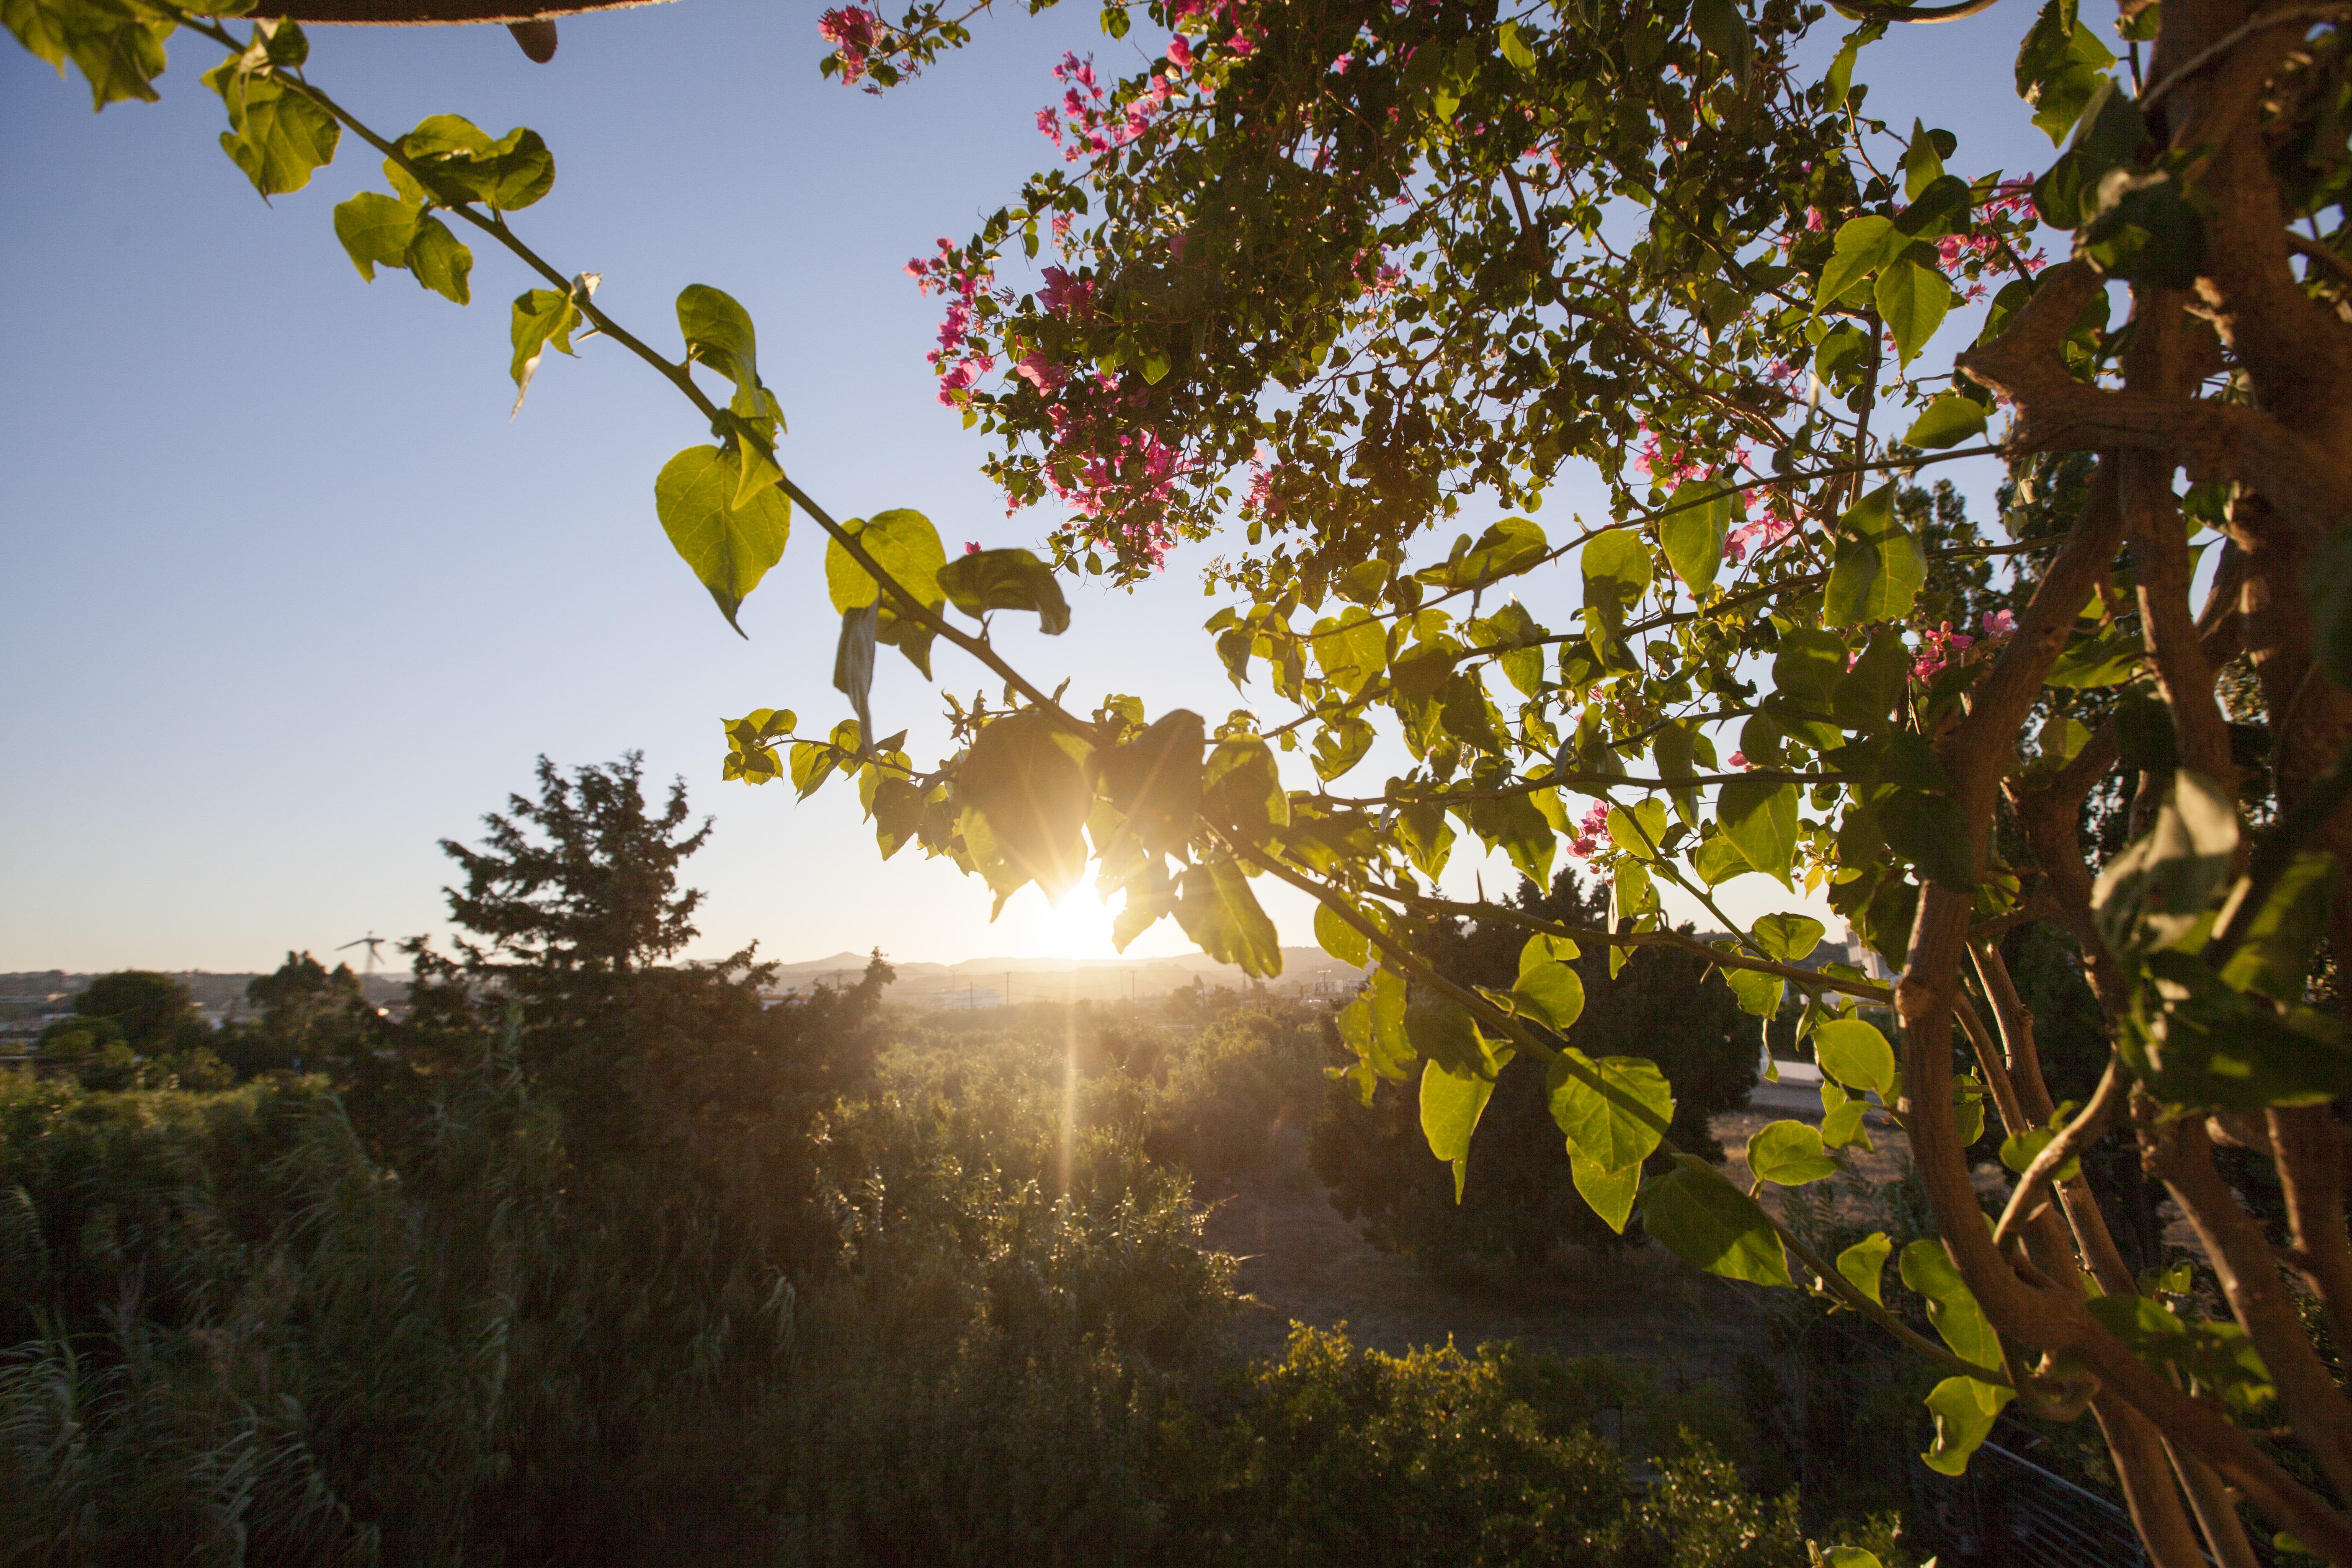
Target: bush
{"x": 1519, "y": 1203}
{"x": 1332, "y": 1457}
{"x": 1229, "y": 1094}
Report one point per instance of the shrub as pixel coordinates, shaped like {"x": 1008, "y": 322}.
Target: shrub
{"x": 1229, "y": 1094}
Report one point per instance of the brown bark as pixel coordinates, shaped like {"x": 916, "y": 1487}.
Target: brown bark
{"x": 2171, "y": 353}
{"x": 2182, "y": 1155}
{"x": 2145, "y": 1473}
{"x": 2309, "y": 1147}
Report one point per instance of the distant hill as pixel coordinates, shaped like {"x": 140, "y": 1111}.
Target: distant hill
{"x": 987, "y": 982}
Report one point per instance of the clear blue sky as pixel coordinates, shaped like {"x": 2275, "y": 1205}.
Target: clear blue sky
{"x": 288, "y": 598}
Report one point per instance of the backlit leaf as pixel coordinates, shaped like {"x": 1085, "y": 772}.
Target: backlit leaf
{"x": 1788, "y": 1153}
{"x": 1022, "y": 777}
{"x": 1451, "y": 1104}
{"x": 1855, "y": 1054}
{"x": 1878, "y": 568}
{"x": 1221, "y": 914}
{"x": 983, "y": 580}
{"x": 902, "y": 542}
{"x": 1705, "y": 1220}
{"x": 730, "y": 548}
{"x": 1614, "y": 1110}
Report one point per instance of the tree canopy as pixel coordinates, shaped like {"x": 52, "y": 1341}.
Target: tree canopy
{"x": 1326, "y": 273}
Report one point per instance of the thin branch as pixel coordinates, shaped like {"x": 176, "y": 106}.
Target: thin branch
{"x": 2071, "y": 1140}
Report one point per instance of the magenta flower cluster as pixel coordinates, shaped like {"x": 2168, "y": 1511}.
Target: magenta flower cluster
{"x": 1592, "y": 833}
{"x": 1944, "y": 646}
{"x": 852, "y": 31}
{"x": 1087, "y": 122}
{"x": 961, "y": 286}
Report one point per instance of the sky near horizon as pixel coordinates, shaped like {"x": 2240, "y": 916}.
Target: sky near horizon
{"x": 291, "y": 599}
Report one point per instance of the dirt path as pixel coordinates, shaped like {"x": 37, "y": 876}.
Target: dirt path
{"x": 1300, "y": 1261}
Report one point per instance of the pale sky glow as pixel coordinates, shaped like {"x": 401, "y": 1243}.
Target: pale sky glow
{"x": 289, "y": 598}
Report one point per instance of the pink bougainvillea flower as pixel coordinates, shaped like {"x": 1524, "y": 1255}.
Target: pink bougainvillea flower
{"x": 1998, "y": 623}
{"x": 1042, "y": 374}
{"x": 1179, "y": 52}
{"x": 1739, "y": 760}
{"x": 972, "y": 547}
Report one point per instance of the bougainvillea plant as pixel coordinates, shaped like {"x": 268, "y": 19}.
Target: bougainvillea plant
{"x": 1326, "y": 271}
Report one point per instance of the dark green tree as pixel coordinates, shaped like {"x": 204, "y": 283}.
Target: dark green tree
{"x": 148, "y": 1008}
{"x": 1519, "y": 1201}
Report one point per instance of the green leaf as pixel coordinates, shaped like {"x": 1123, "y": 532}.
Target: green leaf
{"x": 1718, "y": 859}
{"x": 1611, "y": 1193}
{"x": 1862, "y": 245}
{"x": 2020, "y": 1149}
{"x": 1615, "y": 1110}
{"x": 1441, "y": 1030}
{"x": 1540, "y": 948}
{"x": 440, "y": 260}
{"x": 1927, "y": 1268}
{"x": 1809, "y": 667}
{"x": 1913, "y": 299}
{"x": 2142, "y": 230}
{"x": 376, "y": 230}
{"x": 459, "y": 161}
{"x": 1339, "y": 744}
{"x": 2109, "y": 135}
{"x": 1758, "y": 994}
{"x": 2194, "y": 1041}
{"x": 119, "y": 53}
{"x": 2102, "y": 656}
{"x": 2215, "y": 1359}
{"x": 1946, "y": 422}
{"x": 730, "y": 548}
{"x": 1789, "y": 1154}
{"x": 1373, "y": 1027}
{"x": 1923, "y": 161}
{"x": 1616, "y": 573}
{"x": 1222, "y": 916}
{"x": 1878, "y": 569}
{"x": 542, "y": 317}
{"x": 1879, "y": 680}
{"x": 1351, "y": 651}
{"x": 1427, "y": 838}
{"x": 902, "y": 542}
{"x": 1451, "y": 1104}
{"x": 1551, "y": 995}
{"x": 1761, "y": 817}
{"x": 1341, "y": 940}
{"x": 2276, "y": 960}
{"x": 1962, "y": 1421}
{"x": 1863, "y": 1263}
{"x": 1024, "y": 782}
{"x": 2327, "y": 589}
{"x": 1843, "y": 1126}
{"x": 1927, "y": 830}
{"x": 1839, "y": 79}
{"x": 1855, "y": 1054}
{"x": 1705, "y": 1220}
{"x": 2159, "y": 888}
{"x": 1242, "y": 786}
{"x": 1515, "y": 48}
{"x": 1154, "y": 779}
{"x": 1692, "y": 539}
{"x": 1788, "y": 938}
{"x": 979, "y": 581}
{"x": 277, "y": 134}
{"x": 1504, "y": 550}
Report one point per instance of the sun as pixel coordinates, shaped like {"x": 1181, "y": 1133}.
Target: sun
{"x": 1078, "y": 927}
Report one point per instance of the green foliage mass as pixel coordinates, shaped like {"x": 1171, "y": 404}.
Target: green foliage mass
{"x": 1521, "y": 1202}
